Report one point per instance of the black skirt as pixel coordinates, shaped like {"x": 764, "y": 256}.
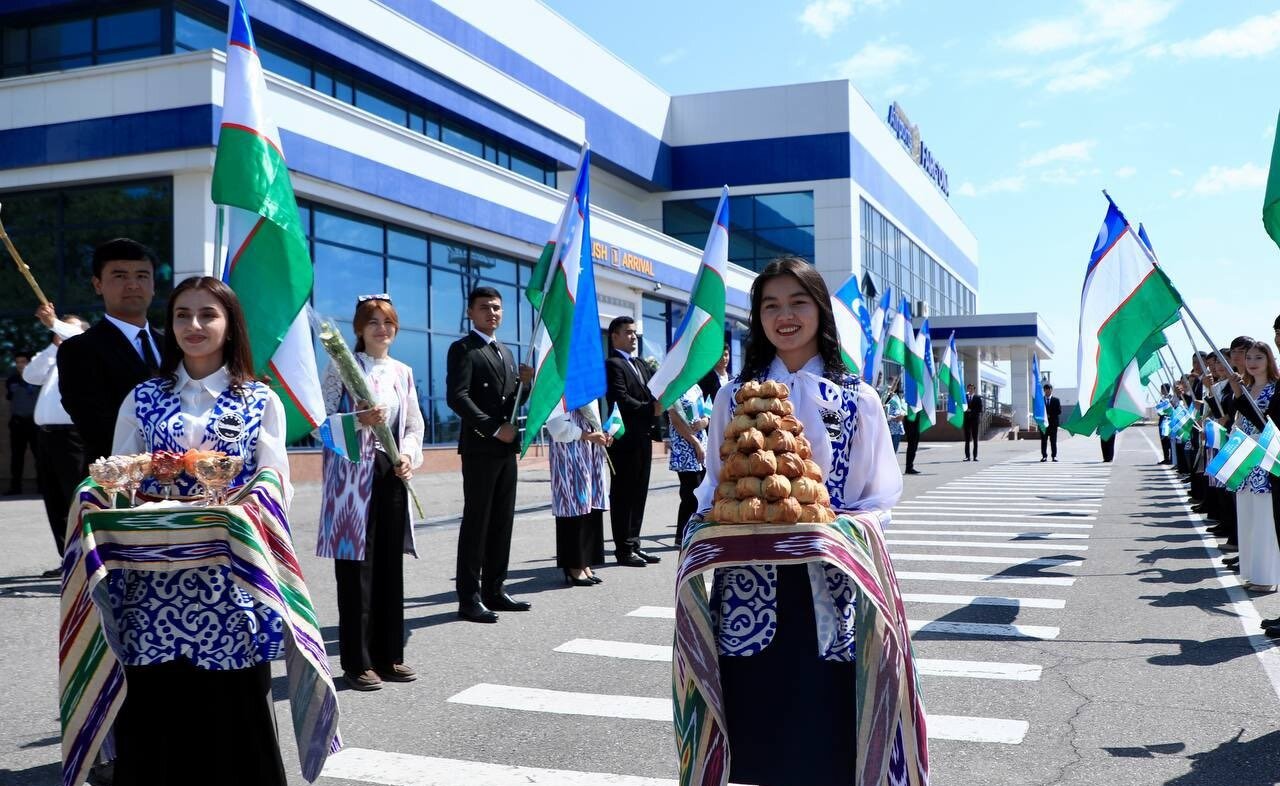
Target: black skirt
{"x": 185, "y": 725}
{"x": 790, "y": 714}
{"x": 580, "y": 540}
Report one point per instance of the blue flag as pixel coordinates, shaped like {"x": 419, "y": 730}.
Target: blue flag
{"x": 1038, "y": 411}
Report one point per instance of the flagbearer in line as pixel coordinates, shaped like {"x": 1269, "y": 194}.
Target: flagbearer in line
{"x": 365, "y": 525}
{"x": 627, "y": 380}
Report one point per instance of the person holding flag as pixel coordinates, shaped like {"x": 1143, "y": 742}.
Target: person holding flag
{"x": 579, "y": 493}
{"x": 1259, "y": 544}
{"x": 688, "y": 452}
{"x": 895, "y": 410}
{"x": 627, "y": 378}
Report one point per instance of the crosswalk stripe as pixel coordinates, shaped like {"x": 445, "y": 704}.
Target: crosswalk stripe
{"x": 1024, "y": 672}
{"x": 654, "y": 612}
{"x": 980, "y": 514}
{"x": 407, "y": 769}
{"x": 976, "y": 505}
{"x": 963, "y": 545}
{"x": 1043, "y": 581}
{"x": 906, "y": 519}
{"x": 984, "y": 629}
{"x": 1046, "y": 562}
{"x": 975, "y": 534}
{"x": 941, "y": 727}
{"x": 1010, "y": 496}
{"x": 984, "y": 600}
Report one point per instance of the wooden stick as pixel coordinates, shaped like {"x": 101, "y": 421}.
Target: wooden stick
{"x": 22, "y": 266}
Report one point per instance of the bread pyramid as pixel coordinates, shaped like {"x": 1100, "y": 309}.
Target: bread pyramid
{"x": 767, "y": 473}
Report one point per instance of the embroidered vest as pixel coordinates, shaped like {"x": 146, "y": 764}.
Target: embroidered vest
{"x": 232, "y": 427}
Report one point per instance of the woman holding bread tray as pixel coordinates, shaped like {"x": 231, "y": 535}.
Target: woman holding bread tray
{"x": 809, "y": 679}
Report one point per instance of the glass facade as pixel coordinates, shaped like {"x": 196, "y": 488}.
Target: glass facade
{"x": 762, "y": 227}
{"x": 56, "y": 231}
{"x": 429, "y": 278}
{"x": 31, "y": 44}
{"x": 891, "y": 258}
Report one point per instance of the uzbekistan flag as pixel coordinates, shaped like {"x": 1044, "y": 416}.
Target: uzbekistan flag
{"x": 1271, "y": 200}
{"x": 895, "y": 343}
{"x": 1163, "y": 407}
{"x": 1039, "y": 413}
{"x": 699, "y": 342}
{"x": 570, "y": 370}
{"x": 1215, "y": 436}
{"x": 1126, "y": 300}
{"x": 1181, "y": 422}
{"x": 340, "y": 433}
{"x": 1269, "y": 441}
{"x": 613, "y": 424}
{"x": 267, "y": 262}
{"x": 1236, "y": 460}
{"x": 875, "y": 350}
{"x": 953, "y": 381}
{"x": 928, "y": 404}
{"x": 853, "y": 323}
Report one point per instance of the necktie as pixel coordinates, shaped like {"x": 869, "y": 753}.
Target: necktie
{"x": 635, "y": 366}
{"x": 148, "y": 354}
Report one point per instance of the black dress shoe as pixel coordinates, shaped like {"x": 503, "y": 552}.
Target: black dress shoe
{"x": 594, "y": 579}
{"x": 912, "y": 472}
{"x": 631, "y": 561}
{"x": 505, "y": 602}
{"x": 476, "y": 613}
{"x": 646, "y": 556}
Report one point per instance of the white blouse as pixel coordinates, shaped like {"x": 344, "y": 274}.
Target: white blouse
{"x": 873, "y": 480}
{"x": 383, "y": 374}
{"x": 196, "y": 401}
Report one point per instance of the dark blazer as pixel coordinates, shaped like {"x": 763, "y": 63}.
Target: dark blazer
{"x": 710, "y": 385}
{"x": 481, "y": 390}
{"x": 635, "y": 402}
{"x": 96, "y": 371}
{"x": 1053, "y": 409}
{"x": 974, "y": 405}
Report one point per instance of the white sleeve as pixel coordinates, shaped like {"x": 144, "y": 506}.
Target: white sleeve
{"x": 128, "y": 435}
{"x": 721, "y": 414}
{"x": 37, "y": 370}
{"x": 414, "y": 426}
{"x": 271, "y": 443}
{"x": 562, "y": 429}
{"x": 331, "y": 388}
{"x": 874, "y": 481}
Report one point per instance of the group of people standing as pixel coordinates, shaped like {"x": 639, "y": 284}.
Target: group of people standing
{"x": 1239, "y": 394}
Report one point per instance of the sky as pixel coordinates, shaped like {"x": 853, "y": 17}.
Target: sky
{"x": 1033, "y": 109}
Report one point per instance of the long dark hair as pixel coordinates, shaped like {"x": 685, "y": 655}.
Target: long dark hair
{"x": 759, "y": 352}
{"x": 236, "y": 355}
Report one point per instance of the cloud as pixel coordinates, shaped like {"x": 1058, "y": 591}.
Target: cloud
{"x": 1030, "y": 124}
{"x": 1254, "y": 37}
{"x": 1126, "y": 171}
{"x": 1176, "y": 172}
{"x": 1082, "y": 72}
{"x": 1220, "y": 180}
{"x": 1068, "y": 176}
{"x": 1123, "y": 24}
{"x": 875, "y": 61}
{"x": 822, "y": 17}
{"x": 1070, "y": 151}
{"x": 912, "y": 88}
{"x": 1091, "y": 78}
{"x": 1002, "y": 185}
{"x": 672, "y": 56}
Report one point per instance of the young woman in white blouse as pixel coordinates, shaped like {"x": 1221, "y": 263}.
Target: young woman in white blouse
{"x": 184, "y": 628}
{"x": 773, "y": 662}
{"x": 365, "y": 525}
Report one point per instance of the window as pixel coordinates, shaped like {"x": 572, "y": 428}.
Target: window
{"x": 762, "y": 227}
{"x": 56, "y": 232}
{"x": 430, "y": 279}
{"x": 81, "y": 41}
{"x": 655, "y": 328}
{"x": 893, "y": 259}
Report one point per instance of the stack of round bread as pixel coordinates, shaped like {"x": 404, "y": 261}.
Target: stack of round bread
{"x": 767, "y": 472}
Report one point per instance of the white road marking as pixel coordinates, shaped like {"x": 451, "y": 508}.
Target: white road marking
{"x": 934, "y": 668}
{"x": 654, "y": 612}
{"x": 981, "y": 514}
{"x": 984, "y": 600}
{"x": 407, "y": 769}
{"x": 1046, "y": 562}
{"x": 962, "y": 545}
{"x": 1043, "y": 581}
{"x": 1033, "y": 508}
{"x": 975, "y": 534}
{"x": 941, "y": 727}
{"x": 906, "y": 519}
{"x": 983, "y": 629}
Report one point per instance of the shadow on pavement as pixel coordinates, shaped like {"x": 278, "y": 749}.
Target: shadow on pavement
{"x": 1235, "y": 763}
{"x": 43, "y": 775}
{"x": 1194, "y": 652}
{"x": 1210, "y": 599}
{"x": 1180, "y": 576}
{"x": 1186, "y": 552}
{"x": 1147, "y": 751}
{"x": 29, "y": 587}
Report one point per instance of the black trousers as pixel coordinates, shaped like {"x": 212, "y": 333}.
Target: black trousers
{"x": 632, "y": 465}
{"x": 580, "y": 540}
{"x": 970, "y": 434}
{"x": 1109, "y": 448}
{"x": 184, "y": 725}
{"x": 689, "y": 482}
{"x": 1164, "y": 441}
{"x": 488, "y": 509}
{"x": 371, "y": 590}
{"x": 1049, "y": 440}
{"x": 1180, "y": 457}
{"x": 911, "y": 429}
{"x": 22, "y": 435}
{"x": 788, "y": 680}
{"x": 59, "y": 461}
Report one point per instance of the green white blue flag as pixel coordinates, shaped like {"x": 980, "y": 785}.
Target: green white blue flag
{"x": 953, "y": 383}
{"x": 340, "y": 433}
{"x": 613, "y": 424}
{"x": 1269, "y": 441}
{"x": 1236, "y": 460}
{"x": 1039, "y": 413}
{"x": 1215, "y": 436}
{"x": 853, "y": 323}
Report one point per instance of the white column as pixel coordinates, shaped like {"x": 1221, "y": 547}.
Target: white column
{"x": 193, "y": 224}
{"x": 1020, "y": 386}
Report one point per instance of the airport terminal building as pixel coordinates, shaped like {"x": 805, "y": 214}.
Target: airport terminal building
{"x": 431, "y": 144}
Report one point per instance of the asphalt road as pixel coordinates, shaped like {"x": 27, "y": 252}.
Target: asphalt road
{"x": 1073, "y": 627}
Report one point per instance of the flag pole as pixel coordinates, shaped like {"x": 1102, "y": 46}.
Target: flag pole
{"x": 1248, "y": 396}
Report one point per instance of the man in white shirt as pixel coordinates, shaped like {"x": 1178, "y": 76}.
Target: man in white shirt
{"x": 59, "y": 449}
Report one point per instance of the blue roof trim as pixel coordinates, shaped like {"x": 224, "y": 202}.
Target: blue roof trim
{"x": 981, "y": 332}
{"x": 612, "y": 137}
{"x": 107, "y": 137}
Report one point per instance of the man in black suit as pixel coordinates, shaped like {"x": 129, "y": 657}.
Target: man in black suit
{"x": 972, "y": 417}
{"x": 627, "y": 385}
{"x": 717, "y": 377}
{"x": 98, "y": 368}
{"x": 481, "y": 384}
{"x": 1049, "y": 437}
